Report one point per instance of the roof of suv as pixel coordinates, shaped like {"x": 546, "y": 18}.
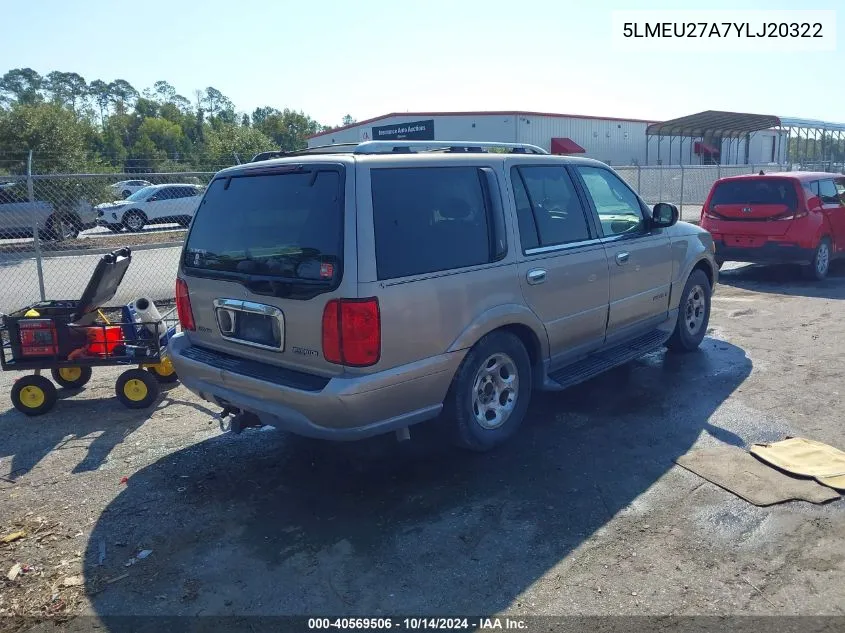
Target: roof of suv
{"x": 416, "y": 158}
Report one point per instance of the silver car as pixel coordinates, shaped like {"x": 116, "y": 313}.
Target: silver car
{"x": 349, "y": 291}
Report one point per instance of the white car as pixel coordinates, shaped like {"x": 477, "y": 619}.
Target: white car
{"x": 126, "y": 188}
{"x": 156, "y": 204}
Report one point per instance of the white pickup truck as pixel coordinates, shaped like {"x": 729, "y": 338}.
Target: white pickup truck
{"x": 19, "y": 216}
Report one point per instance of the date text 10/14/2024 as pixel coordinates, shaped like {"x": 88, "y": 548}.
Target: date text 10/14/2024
{"x": 418, "y": 624}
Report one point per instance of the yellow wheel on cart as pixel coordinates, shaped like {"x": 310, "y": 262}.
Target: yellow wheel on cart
{"x": 136, "y": 389}
{"x": 33, "y": 395}
{"x": 163, "y": 371}
{"x": 71, "y": 377}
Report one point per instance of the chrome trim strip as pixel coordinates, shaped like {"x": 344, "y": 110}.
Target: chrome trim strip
{"x": 561, "y": 247}
{"x": 233, "y": 306}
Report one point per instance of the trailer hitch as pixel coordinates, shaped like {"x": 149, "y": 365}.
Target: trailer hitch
{"x": 243, "y": 420}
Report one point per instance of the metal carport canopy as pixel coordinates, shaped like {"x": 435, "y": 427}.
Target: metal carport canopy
{"x": 717, "y": 123}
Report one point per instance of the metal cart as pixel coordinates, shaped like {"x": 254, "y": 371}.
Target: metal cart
{"x": 70, "y": 337}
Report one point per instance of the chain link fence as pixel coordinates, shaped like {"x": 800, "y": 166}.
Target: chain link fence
{"x": 54, "y": 228}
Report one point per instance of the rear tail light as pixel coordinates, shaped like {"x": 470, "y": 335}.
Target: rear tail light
{"x": 38, "y": 337}
{"x": 183, "y": 306}
{"x": 352, "y": 332}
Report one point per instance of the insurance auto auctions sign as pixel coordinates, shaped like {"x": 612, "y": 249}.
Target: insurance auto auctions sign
{"x": 412, "y": 131}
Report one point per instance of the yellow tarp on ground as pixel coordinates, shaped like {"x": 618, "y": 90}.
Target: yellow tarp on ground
{"x": 809, "y": 458}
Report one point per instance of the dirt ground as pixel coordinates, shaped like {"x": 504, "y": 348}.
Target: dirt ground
{"x": 583, "y": 513}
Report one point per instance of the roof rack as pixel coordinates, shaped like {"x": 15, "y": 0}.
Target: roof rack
{"x": 337, "y": 148}
{"x": 403, "y": 147}
{"x": 389, "y": 147}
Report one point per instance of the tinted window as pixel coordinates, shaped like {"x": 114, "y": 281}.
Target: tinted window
{"x": 429, "y": 219}
{"x": 840, "y": 189}
{"x": 280, "y": 224}
{"x": 528, "y": 236}
{"x": 617, "y": 206}
{"x": 557, "y": 211}
{"x": 828, "y": 193}
{"x": 142, "y": 194}
{"x": 182, "y": 192}
{"x": 755, "y": 191}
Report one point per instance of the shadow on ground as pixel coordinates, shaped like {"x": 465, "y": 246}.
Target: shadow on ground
{"x": 269, "y": 524}
{"x": 785, "y": 279}
{"x": 73, "y": 420}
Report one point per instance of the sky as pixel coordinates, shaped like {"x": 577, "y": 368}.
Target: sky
{"x": 372, "y": 57}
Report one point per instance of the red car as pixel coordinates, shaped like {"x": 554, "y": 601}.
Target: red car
{"x": 790, "y": 217}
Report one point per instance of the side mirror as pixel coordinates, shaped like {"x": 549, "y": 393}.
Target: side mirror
{"x": 664, "y": 215}
{"x": 814, "y": 203}
{"x": 152, "y": 198}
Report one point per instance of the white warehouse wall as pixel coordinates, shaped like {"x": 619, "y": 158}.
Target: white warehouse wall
{"x": 613, "y": 141}
{"x": 485, "y": 127}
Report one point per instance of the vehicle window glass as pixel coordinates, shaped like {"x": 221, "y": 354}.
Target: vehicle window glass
{"x": 141, "y": 194}
{"x": 747, "y": 191}
{"x": 827, "y": 192}
{"x": 287, "y": 225}
{"x": 618, "y": 208}
{"x": 524, "y": 215}
{"x": 839, "y": 183}
{"x": 558, "y": 213}
{"x": 814, "y": 187}
{"x": 428, "y": 220}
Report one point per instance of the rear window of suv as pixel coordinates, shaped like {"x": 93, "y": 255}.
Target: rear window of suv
{"x": 277, "y": 224}
{"x": 756, "y": 191}
{"x": 428, "y": 220}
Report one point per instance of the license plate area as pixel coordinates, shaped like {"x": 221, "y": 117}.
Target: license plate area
{"x": 253, "y": 324}
{"x": 743, "y": 241}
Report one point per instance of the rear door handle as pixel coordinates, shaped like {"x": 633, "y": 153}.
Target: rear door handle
{"x": 536, "y": 276}
{"x": 622, "y": 258}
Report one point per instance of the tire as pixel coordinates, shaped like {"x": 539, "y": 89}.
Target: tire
{"x": 820, "y": 267}
{"x": 163, "y": 372}
{"x": 134, "y": 221}
{"x": 136, "y": 389}
{"x": 34, "y": 395}
{"x": 693, "y": 314}
{"x": 71, "y": 377}
{"x": 474, "y": 391}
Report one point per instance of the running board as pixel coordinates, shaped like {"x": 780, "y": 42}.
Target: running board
{"x": 600, "y": 362}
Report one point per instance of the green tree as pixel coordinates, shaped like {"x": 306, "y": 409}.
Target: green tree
{"x": 59, "y": 138}
{"x": 216, "y": 102}
{"x": 123, "y": 95}
{"x": 259, "y": 115}
{"x": 222, "y": 144}
{"x": 66, "y": 88}
{"x": 348, "y": 120}
{"x": 22, "y": 85}
{"x": 289, "y": 129}
{"x": 100, "y": 92}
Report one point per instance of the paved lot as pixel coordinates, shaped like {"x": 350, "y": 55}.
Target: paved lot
{"x": 583, "y": 513}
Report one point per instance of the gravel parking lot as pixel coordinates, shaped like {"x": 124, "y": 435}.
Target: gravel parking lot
{"x": 584, "y": 513}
